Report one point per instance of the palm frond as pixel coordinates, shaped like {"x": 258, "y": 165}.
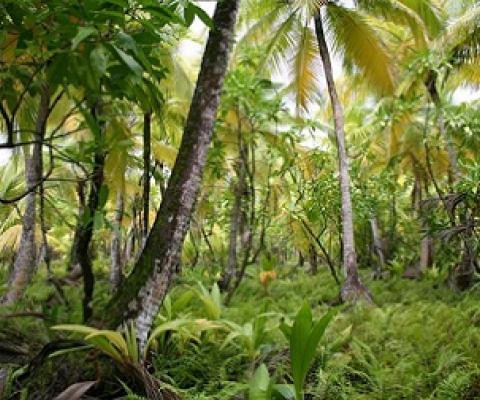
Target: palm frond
{"x": 305, "y": 68}
{"x": 428, "y": 12}
{"x": 462, "y": 37}
{"x": 359, "y": 42}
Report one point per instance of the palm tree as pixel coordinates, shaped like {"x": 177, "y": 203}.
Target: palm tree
{"x": 292, "y": 38}
{"x": 438, "y": 44}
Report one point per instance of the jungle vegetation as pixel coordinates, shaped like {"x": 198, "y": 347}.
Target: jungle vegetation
{"x": 290, "y": 212}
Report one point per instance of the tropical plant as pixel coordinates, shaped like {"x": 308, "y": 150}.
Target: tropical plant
{"x": 304, "y": 336}
{"x": 252, "y": 336}
{"x": 261, "y": 387}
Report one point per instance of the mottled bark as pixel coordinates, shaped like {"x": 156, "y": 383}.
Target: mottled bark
{"x": 353, "y": 289}
{"x": 144, "y": 289}
{"x": 116, "y": 249}
{"x": 147, "y": 133}
{"x": 25, "y": 261}
{"x": 85, "y": 227}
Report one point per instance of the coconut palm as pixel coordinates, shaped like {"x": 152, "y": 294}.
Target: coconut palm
{"x": 438, "y": 44}
{"x": 298, "y": 34}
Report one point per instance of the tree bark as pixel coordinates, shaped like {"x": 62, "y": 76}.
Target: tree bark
{"x": 73, "y": 265}
{"x": 85, "y": 227}
{"x": 25, "y": 261}
{"x": 378, "y": 246}
{"x": 116, "y": 251}
{"x": 353, "y": 289}
{"x": 313, "y": 259}
{"x": 147, "y": 133}
{"x": 235, "y": 217}
{"x": 431, "y": 84}
{"x": 143, "y": 291}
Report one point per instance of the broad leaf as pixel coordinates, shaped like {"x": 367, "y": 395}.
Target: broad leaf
{"x": 83, "y": 33}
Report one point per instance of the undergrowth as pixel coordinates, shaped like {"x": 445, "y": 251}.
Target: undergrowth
{"x": 420, "y": 341}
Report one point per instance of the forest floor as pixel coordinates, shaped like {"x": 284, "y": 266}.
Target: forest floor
{"x": 420, "y": 341}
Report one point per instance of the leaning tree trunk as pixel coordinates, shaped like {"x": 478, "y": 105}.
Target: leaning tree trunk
{"x": 353, "y": 289}
{"x": 85, "y": 227}
{"x": 25, "y": 261}
{"x": 116, "y": 249}
{"x": 143, "y": 291}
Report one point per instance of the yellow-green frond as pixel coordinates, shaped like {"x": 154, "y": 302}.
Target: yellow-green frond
{"x": 360, "y": 44}
{"x": 306, "y": 69}
{"x": 164, "y": 153}
{"x": 463, "y": 32}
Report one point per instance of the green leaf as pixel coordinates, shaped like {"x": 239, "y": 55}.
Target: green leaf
{"x": 286, "y": 329}
{"x": 189, "y": 14}
{"x": 82, "y": 34}
{"x": 300, "y": 333}
{"x": 103, "y": 196}
{"x": 128, "y": 61}
{"x": 125, "y": 41}
{"x": 204, "y": 17}
{"x": 304, "y": 340}
{"x": 313, "y": 340}
{"x": 283, "y": 391}
{"x": 166, "y": 326}
{"x": 98, "y": 220}
{"x": 99, "y": 60}
{"x": 259, "y": 388}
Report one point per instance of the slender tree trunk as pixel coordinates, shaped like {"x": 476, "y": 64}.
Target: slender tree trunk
{"x": 313, "y": 259}
{"x": 431, "y": 84}
{"x": 85, "y": 227}
{"x": 378, "y": 246}
{"x": 73, "y": 264}
{"x": 116, "y": 251}
{"x": 301, "y": 259}
{"x": 147, "y": 131}
{"x": 235, "y": 217}
{"x": 426, "y": 252}
{"x": 353, "y": 289}
{"x": 25, "y": 261}
{"x": 143, "y": 291}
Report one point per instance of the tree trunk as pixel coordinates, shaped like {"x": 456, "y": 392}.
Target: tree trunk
{"x": 313, "y": 259}
{"x": 116, "y": 256}
{"x": 85, "y": 227}
{"x": 301, "y": 259}
{"x": 426, "y": 252}
{"x": 147, "y": 130}
{"x": 143, "y": 291}
{"x": 353, "y": 289}
{"x": 235, "y": 217}
{"x": 25, "y": 261}
{"x": 73, "y": 264}
{"x": 431, "y": 84}
{"x": 378, "y": 246}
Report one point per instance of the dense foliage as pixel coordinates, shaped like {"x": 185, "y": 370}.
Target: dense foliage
{"x": 293, "y": 214}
